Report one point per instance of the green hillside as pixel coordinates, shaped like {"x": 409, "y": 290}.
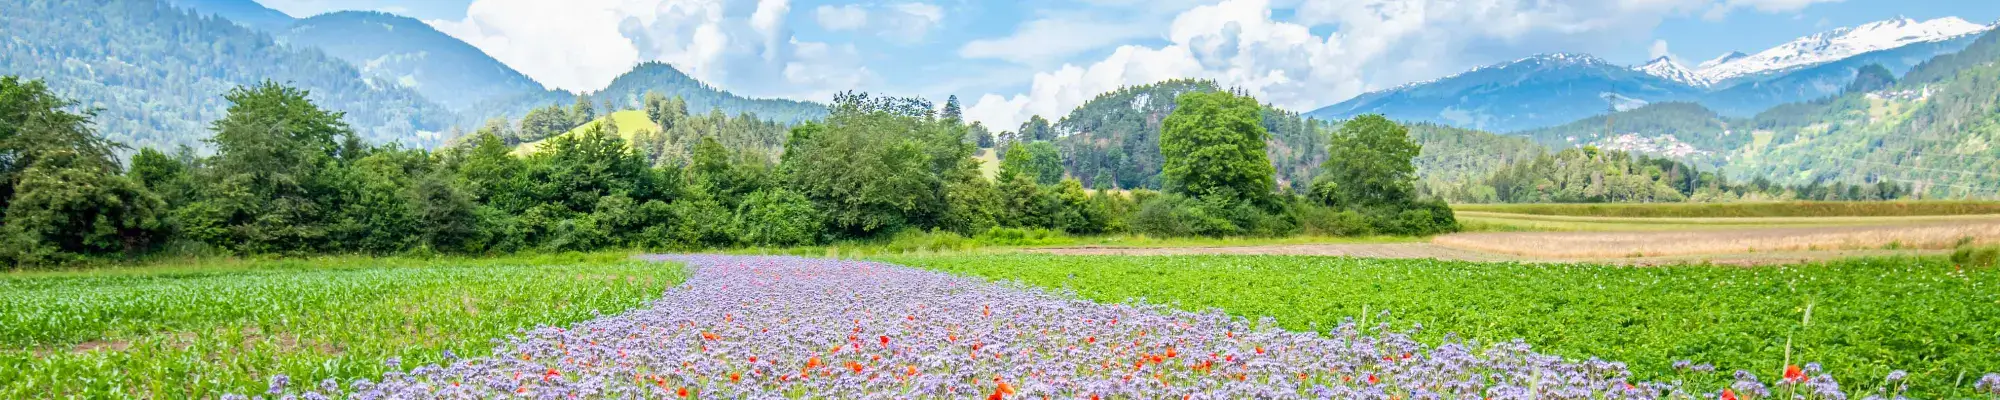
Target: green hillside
{"x": 629, "y": 124}
{"x": 157, "y": 75}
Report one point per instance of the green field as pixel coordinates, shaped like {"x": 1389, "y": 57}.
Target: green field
{"x": 1859, "y": 318}
{"x": 199, "y": 329}
{"x": 630, "y": 122}
{"x": 1746, "y": 209}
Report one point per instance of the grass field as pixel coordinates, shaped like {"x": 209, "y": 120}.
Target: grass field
{"x": 629, "y": 123}
{"x": 1747, "y": 209}
{"x": 198, "y": 329}
{"x": 1860, "y": 319}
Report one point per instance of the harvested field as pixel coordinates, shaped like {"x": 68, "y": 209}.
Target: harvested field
{"x": 1764, "y": 209}
{"x": 1494, "y": 221}
{"x": 1582, "y": 245}
{"x": 1365, "y": 250}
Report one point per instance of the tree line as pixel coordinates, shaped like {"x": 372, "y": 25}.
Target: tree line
{"x": 288, "y": 177}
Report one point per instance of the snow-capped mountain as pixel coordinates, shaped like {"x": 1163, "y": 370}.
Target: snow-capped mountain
{"x": 1719, "y": 60}
{"x": 1839, "y": 44}
{"x": 1532, "y": 92}
{"x": 1666, "y": 68}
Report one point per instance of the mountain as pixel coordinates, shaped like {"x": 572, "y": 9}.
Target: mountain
{"x": 1532, "y": 92}
{"x": 1719, "y": 60}
{"x": 1666, "y": 68}
{"x": 157, "y": 74}
{"x": 1940, "y": 134}
{"x": 629, "y": 90}
{"x": 248, "y": 13}
{"x": 1548, "y": 90}
{"x": 1841, "y": 43}
{"x": 1822, "y": 80}
{"x": 1679, "y": 130}
{"x": 414, "y": 55}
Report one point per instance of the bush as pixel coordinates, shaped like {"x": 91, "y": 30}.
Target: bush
{"x": 778, "y": 217}
{"x": 1976, "y": 256}
{"x": 1327, "y": 221}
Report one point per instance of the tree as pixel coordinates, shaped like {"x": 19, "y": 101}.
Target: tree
{"x": 1038, "y": 161}
{"x": 63, "y": 196}
{"x": 278, "y": 176}
{"x": 877, "y": 165}
{"x": 981, "y": 136}
{"x": 777, "y": 217}
{"x": 1036, "y": 130}
{"x": 1370, "y": 165}
{"x": 541, "y": 123}
{"x": 582, "y": 112}
{"x": 1213, "y": 146}
{"x": 952, "y": 112}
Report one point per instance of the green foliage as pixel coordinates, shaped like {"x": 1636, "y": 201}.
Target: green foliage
{"x": 1213, "y": 147}
{"x": 878, "y": 165}
{"x": 1867, "y": 317}
{"x": 778, "y": 217}
{"x": 1118, "y": 134}
{"x": 1036, "y": 161}
{"x": 1748, "y": 209}
{"x": 1370, "y": 165}
{"x": 116, "y": 333}
{"x": 1968, "y": 255}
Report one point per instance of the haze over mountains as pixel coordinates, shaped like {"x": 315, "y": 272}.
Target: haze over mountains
{"x": 1551, "y": 89}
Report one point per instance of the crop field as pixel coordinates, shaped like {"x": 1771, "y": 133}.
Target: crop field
{"x": 1857, "y": 320}
{"x": 1746, "y": 209}
{"x": 201, "y": 329}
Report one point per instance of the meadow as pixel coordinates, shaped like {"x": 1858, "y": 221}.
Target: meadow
{"x": 203, "y": 328}
{"x": 1859, "y": 319}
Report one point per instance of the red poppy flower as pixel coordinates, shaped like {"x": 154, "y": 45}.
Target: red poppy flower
{"x": 1728, "y": 394}
{"x": 1794, "y": 374}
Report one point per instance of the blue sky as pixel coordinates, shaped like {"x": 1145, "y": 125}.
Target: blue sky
{"x": 1008, "y": 59}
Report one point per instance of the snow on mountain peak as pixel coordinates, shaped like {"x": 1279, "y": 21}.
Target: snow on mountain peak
{"x": 1666, "y": 68}
{"x": 1719, "y": 60}
{"x": 1838, "y": 44}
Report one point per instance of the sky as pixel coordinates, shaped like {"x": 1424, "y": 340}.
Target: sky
{"x": 1007, "y": 60}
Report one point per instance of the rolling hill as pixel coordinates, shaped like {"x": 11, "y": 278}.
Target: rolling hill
{"x": 629, "y": 91}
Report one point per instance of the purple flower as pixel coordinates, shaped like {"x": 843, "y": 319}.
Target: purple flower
{"x": 278, "y": 383}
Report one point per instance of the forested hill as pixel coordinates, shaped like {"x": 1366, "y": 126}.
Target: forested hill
{"x": 1935, "y": 130}
{"x": 629, "y": 91}
{"x": 248, "y": 13}
{"x": 1938, "y": 129}
{"x": 157, "y": 74}
{"x": 412, "y": 54}
{"x": 1117, "y": 135}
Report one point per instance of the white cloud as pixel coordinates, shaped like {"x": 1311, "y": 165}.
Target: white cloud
{"x": 1374, "y": 44}
{"x": 1770, "y": 6}
{"x": 1659, "y": 49}
{"x": 572, "y": 45}
{"x": 911, "y": 22}
{"x": 841, "y": 18}
{"x": 907, "y": 22}
{"x": 1052, "y": 39}
{"x": 581, "y": 45}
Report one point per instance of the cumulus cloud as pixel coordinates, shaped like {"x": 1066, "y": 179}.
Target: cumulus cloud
{"x": 1371, "y": 45}
{"x": 841, "y": 18}
{"x": 581, "y": 45}
{"x": 1051, "y": 39}
{"x": 912, "y": 21}
{"x": 1659, "y": 49}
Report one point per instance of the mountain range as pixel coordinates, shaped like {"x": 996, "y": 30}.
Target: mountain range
{"x": 157, "y": 70}
{"x": 1552, "y": 89}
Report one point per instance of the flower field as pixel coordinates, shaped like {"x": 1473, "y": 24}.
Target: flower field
{"x": 782, "y": 327}
{"x": 210, "y": 328}
{"x": 1935, "y": 327}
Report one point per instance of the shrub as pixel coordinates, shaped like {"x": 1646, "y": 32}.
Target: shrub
{"x": 909, "y": 240}
{"x": 1976, "y": 256}
{"x": 998, "y": 236}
